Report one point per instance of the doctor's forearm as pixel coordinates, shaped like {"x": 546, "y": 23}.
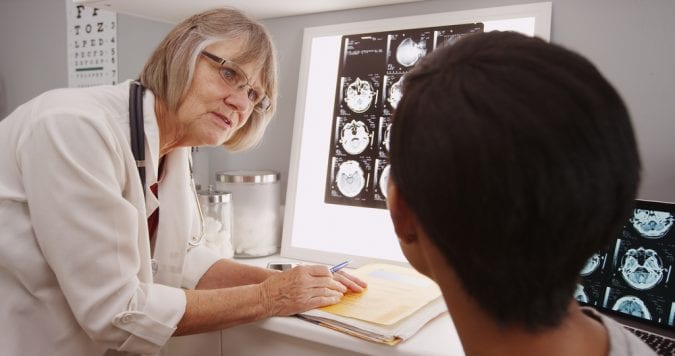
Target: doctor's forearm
{"x": 215, "y": 309}
{"x": 226, "y": 273}
{"x": 280, "y": 294}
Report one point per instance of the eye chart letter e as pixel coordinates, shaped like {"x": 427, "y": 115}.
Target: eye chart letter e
{"x": 92, "y": 45}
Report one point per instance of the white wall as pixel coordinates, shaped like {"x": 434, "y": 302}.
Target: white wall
{"x": 631, "y": 41}
{"x": 33, "y": 48}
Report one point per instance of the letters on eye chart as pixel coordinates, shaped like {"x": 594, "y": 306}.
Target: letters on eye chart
{"x": 92, "y": 46}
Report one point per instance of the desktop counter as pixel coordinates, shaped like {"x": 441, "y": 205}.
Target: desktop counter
{"x": 280, "y": 336}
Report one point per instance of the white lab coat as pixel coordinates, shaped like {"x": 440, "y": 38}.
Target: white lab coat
{"x": 75, "y": 267}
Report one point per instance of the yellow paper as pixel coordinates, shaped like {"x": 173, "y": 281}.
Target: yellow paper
{"x": 393, "y": 293}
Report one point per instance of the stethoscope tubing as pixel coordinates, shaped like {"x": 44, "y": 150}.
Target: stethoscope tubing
{"x": 138, "y": 149}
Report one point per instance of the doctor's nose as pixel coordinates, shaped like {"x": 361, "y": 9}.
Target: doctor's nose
{"x": 238, "y": 99}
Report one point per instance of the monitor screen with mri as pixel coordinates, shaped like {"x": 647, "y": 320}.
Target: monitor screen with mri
{"x": 634, "y": 275}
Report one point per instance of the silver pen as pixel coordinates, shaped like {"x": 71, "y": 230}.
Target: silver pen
{"x": 340, "y": 266}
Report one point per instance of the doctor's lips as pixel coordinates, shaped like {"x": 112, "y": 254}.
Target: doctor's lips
{"x": 225, "y": 119}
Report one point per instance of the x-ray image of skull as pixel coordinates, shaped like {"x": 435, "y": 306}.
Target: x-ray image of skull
{"x": 591, "y": 265}
{"x": 652, "y": 224}
{"x": 632, "y": 305}
{"x": 359, "y": 95}
{"x": 580, "y": 295}
{"x": 409, "y": 51}
{"x": 350, "y": 178}
{"x": 641, "y": 268}
{"x": 355, "y": 137}
{"x": 451, "y": 39}
{"x": 387, "y": 136}
{"x": 395, "y": 93}
{"x": 384, "y": 180}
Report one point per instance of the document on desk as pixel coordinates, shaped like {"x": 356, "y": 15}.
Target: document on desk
{"x": 396, "y": 304}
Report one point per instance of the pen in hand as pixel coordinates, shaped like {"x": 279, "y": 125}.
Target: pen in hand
{"x": 340, "y": 266}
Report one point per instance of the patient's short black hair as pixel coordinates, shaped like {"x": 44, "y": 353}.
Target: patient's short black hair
{"x": 519, "y": 160}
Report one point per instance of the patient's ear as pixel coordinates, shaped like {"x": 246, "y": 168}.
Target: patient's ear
{"x": 405, "y": 222}
{"x": 411, "y": 236}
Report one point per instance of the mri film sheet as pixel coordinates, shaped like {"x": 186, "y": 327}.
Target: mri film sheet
{"x": 641, "y": 305}
{"x": 642, "y": 266}
{"x": 594, "y": 275}
{"x": 371, "y": 71}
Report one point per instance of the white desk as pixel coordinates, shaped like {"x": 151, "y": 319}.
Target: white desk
{"x": 279, "y": 336}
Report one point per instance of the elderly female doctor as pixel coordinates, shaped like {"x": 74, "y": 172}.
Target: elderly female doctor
{"x": 80, "y": 273}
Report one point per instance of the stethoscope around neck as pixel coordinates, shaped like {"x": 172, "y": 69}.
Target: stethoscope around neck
{"x": 138, "y": 149}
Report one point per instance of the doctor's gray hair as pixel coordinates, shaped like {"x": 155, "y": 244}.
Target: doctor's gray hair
{"x": 169, "y": 71}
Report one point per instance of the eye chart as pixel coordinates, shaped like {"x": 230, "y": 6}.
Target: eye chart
{"x": 92, "y": 46}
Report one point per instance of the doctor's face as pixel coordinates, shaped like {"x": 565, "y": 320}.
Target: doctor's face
{"x": 221, "y": 97}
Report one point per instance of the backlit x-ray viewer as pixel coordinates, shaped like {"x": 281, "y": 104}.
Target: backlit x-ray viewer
{"x": 348, "y": 88}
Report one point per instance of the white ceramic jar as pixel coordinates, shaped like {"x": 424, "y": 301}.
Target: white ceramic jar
{"x": 256, "y": 200}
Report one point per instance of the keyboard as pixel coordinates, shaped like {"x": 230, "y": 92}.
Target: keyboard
{"x": 662, "y": 345}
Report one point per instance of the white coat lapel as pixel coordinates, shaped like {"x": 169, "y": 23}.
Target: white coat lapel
{"x": 176, "y": 215}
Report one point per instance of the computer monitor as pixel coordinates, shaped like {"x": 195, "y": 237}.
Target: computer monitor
{"x": 633, "y": 276}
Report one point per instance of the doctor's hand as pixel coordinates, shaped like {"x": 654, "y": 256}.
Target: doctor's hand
{"x": 300, "y": 289}
{"x": 354, "y": 283}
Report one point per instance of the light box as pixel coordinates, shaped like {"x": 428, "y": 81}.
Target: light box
{"x": 347, "y": 92}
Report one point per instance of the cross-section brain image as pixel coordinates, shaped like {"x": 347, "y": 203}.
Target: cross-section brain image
{"x": 632, "y": 306}
{"x": 591, "y": 265}
{"x": 387, "y": 137}
{"x": 350, "y": 179}
{"x": 395, "y": 93}
{"x": 641, "y": 268}
{"x": 580, "y": 295}
{"x": 409, "y": 51}
{"x": 355, "y": 137}
{"x": 359, "y": 95}
{"x": 384, "y": 180}
{"x": 651, "y": 223}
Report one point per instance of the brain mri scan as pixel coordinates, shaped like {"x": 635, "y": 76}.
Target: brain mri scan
{"x": 408, "y": 52}
{"x": 384, "y": 179}
{"x": 580, "y": 295}
{"x": 641, "y": 268}
{"x": 350, "y": 179}
{"x": 632, "y": 306}
{"x": 591, "y": 265}
{"x": 387, "y": 136}
{"x": 355, "y": 137}
{"x": 395, "y": 93}
{"x": 451, "y": 39}
{"x": 652, "y": 224}
{"x": 359, "y": 95}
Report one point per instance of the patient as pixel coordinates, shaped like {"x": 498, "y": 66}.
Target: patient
{"x": 512, "y": 161}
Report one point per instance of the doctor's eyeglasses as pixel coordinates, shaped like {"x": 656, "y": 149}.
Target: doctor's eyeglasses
{"x": 235, "y": 77}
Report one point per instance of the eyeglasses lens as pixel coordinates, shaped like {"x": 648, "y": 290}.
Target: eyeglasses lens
{"x": 236, "y": 78}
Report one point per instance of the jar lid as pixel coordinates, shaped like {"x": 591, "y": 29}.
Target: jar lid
{"x": 248, "y": 177}
{"x": 214, "y": 196}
